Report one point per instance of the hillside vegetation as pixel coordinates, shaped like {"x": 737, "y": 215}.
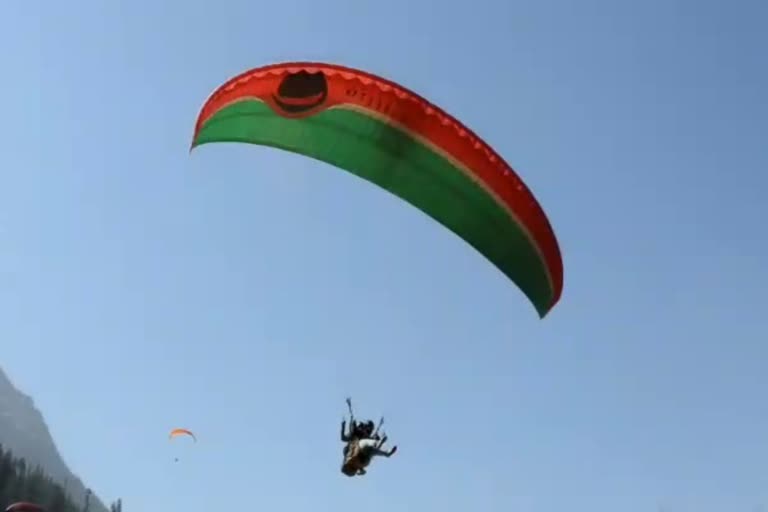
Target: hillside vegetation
{"x": 19, "y": 482}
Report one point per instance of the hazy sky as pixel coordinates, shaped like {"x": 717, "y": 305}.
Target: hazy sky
{"x": 243, "y": 292}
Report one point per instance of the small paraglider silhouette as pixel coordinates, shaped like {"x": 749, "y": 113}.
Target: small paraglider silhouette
{"x": 176, "y": 432}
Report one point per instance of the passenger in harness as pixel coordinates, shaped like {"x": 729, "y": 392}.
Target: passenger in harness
{"x": 363, "y": 442}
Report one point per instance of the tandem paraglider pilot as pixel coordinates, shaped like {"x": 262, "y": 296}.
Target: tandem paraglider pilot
{"x": 363, "y": 443}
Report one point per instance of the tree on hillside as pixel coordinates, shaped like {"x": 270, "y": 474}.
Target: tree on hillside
{"x": 20, "y": 483}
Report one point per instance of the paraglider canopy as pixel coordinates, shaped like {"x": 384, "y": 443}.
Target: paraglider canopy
{"x": 181, "y": 432}
{"x": 24, "y": 506}
{"x": 392, "y": 137}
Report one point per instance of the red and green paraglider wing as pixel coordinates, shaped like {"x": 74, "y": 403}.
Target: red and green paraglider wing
{"x": 392, "y": 137}
{"x": 24, "y": 506}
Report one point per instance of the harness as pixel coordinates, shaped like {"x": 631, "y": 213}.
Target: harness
{"x": 355, "y": 457}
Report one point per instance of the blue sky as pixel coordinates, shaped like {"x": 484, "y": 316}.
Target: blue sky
{"x": 243, "y": 292}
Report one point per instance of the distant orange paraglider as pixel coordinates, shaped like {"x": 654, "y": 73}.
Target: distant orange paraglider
{"x": 181, "y": 432}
